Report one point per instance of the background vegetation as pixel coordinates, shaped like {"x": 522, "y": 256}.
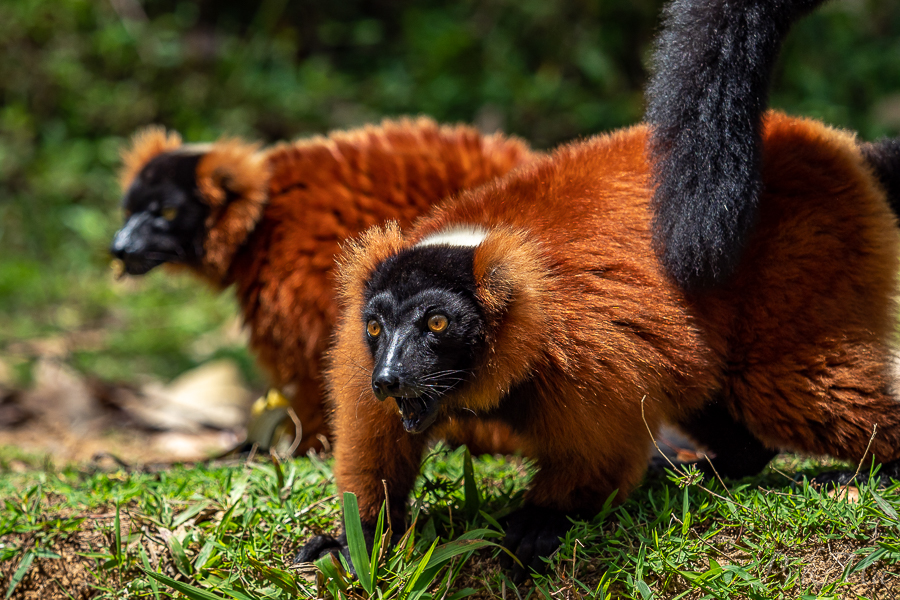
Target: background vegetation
{"x": 77, "y": 77}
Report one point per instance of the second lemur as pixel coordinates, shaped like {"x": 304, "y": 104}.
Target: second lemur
{"x": 270, "y": 222}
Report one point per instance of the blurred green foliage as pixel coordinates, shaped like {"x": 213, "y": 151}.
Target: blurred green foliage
{"x": 77, "y": 77}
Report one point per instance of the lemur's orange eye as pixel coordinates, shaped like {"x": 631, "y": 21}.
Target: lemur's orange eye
{"x": 437, "y": 323}
{"x": 373, "y": 328}
{"x": 169, "y": 214}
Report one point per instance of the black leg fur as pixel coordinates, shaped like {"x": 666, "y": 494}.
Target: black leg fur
{"x": 322, "y": 545}
{"x": 532, "y": 533}
{"x": 888, "y": 472}
{"x": 712, "y": 66}
{"x": 738, "y": 453}
{"x": 884, "y": 157}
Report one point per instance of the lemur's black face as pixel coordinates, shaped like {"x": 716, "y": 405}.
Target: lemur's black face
{"x": 424, "y": 327}
{"x": 165, "y": 218}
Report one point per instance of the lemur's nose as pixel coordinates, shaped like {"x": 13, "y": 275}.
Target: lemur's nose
{"x": 126, "y": 240}
{"x": 386, "y": 383}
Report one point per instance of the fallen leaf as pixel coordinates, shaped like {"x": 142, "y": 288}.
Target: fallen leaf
{"x": 847, "y": 493}
{"x": 211, "y": 395}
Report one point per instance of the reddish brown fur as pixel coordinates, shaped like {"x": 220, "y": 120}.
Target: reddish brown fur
{"x": 295, "y": 203}
{"x": 580, "y": 313}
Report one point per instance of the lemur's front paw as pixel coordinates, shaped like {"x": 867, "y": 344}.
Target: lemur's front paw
{"x": 323, "y": 545}
{"x": 532, "y": 533}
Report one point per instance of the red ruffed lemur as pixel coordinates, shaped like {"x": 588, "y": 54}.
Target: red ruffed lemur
{"x": 539, "y": 300}
{"x": 270, "y": 223}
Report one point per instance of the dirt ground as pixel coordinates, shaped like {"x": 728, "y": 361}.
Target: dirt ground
{"x": 76, "y": 574}
{"x": 67, "y": 418}
{"x": 70, "y": 576}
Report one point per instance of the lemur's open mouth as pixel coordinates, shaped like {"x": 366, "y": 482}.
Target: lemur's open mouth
{"x": 416, "y": 413}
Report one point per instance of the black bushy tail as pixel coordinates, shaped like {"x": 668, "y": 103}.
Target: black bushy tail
{"x": 712, "y": 65}
{"x": 884, "y": 158}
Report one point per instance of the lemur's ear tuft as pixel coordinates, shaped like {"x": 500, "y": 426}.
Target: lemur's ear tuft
{"x": 508, "y": 267}
{"x": 514, "y": 287}
{"x": 232, "y": 167}
{"x": 233, "y": 180}
{"x": 145, "y": 144}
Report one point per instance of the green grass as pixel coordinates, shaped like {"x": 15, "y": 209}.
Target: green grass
{"x": 229, "y": 530}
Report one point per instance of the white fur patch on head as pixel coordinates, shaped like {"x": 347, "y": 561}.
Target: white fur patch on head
{"x": 458, "y": 235}
{"x": 198, "y": 148}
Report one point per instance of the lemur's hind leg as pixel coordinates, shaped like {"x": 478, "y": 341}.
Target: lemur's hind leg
{"x": 884, "y": 157}
{"x": 884, "y": 429}
{"x": 840, "y": 478}
{"x": 734, "y": 451}
{"x": 842, "y": 404}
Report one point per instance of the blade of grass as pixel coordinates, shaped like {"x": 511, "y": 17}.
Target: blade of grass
{"x": 472, "y": 501}
{"x": 330, "y": 568}
{"x": 194, "y": 593}
{"x": 237, "y": 492}
{"x": 117, "y": 525}
{"x": 179, "y": 557}
{"x": 226, "y": 520}
{"x": 204, "y": 555}
{"x": 279, "y": 473}
{"x": 463, "y": 593}
{"x": 873, "y": 557}
{"x": 20, "y": 573}
{"x": 685, "y": 514}
{"x": 277, "y": 577}
{"x": 146, "y": 561}
{"x": 356, "y": 542}
{"x": 189, "y": 513}
{"x": 882, "y": 503}
{"x": 478, "y": 534}
{"x": 420, "y": 568}
{"x": 376, "y": 545}
{"x": 236, "y": 594}
{"x": 440, "y": 557}
{"x": 491, "y": 520}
